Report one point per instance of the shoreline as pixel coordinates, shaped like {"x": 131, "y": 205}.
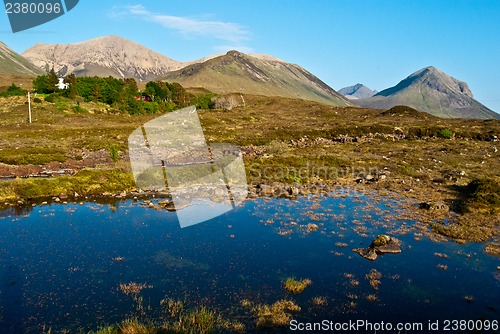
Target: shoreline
{"x": 441, "y": 219}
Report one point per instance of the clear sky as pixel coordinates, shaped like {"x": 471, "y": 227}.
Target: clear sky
{"x": 343, "y": 42}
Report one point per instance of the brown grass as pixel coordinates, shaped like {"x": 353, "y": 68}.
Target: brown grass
{"x": 338, "y": 145}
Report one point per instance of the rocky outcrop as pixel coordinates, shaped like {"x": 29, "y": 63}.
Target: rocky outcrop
{"x": 383, "y": 244}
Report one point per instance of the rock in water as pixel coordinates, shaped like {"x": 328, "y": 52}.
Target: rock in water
{"x": 382, "y": 244}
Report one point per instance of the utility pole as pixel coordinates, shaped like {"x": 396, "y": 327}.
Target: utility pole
{"x": 29, "y": 107}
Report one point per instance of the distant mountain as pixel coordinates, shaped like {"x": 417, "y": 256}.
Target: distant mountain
{"x": 358, "y": 91}
{"x": 102, "y": 56}
{"x": 13, "y": 63}
{"x": 257, "y": 74}
{"x": 432, "y": 91}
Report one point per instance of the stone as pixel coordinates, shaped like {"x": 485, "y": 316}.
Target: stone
{"x": 382, "y": 244}
{"x": 367, "y": 253}
{"x": 63, "y": 196}
{"x": 293, "y": 190}
{"x": 163, "y": 204}
{"x": 265, "y": 190}
{"x": 439, "y": 206}
{"x": 57, "y": 200}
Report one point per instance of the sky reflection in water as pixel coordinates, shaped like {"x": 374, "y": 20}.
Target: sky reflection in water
{"x": 58, "y": 263}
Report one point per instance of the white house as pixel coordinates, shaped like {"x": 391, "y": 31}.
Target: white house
{"x": 61, "y": 84}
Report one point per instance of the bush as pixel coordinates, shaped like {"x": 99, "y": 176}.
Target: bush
{"x": 445, "y": 133}
{"x": 204, "y": 101}
{"x": 14, "y": 90}
{"x": 50, "y": 98}
{"x": 61, "y": 106}
{"x": 150, "y": 107}
{"x": 37, "y": 100}
{"x": 79, "y": 109}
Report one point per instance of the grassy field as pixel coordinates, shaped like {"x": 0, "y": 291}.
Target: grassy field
{"x": 413, "y": 154}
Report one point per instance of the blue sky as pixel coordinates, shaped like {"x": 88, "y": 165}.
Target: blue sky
{"x": 375, "y": 42}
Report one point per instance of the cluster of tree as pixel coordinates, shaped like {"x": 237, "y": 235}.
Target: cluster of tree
{"x": 46, "y": 84}
{"x": 13, "y": 90}
{"x": 121, "y": 94}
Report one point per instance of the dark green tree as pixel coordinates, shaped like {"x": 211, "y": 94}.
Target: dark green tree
{"x": 40, "y": 84}
{"x": 72, "y": 91}
{"x": 52, "y": 81}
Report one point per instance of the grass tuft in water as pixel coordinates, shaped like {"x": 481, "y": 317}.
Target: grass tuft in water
{"x": 278, "y": 314}
{"x": 294, "y": 286}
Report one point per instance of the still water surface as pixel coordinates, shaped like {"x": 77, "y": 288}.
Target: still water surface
{"x": 58, "y": 264}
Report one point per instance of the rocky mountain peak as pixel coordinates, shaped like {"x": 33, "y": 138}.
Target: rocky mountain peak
{"x": 107, "y": 55}
{"x": 432, "y": 91}
{"x": 358, "y": 91}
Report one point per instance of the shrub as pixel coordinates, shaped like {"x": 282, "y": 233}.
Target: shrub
{"x": 61, "y": 106}
{"x": 445, "y": 133}
{"x": 150, "y": 107}
{"x": 50, "y": 98}
{"x": 204, "y": 101}
{"x": 37, "y": 100}
{"x": 14, "y": 90}
{"x": 79, "y": 109}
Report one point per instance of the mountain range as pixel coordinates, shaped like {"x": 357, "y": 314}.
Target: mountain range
{"x": 358, "y": 91}
{"x": 238, "y": 72}
{"x": 232, "y": 72}
{"x": 432, "y": 91}
{"x": 102, "y": 56}
{"x": 428, "y": 89}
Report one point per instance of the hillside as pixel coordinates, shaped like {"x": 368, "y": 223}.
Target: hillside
{"x": 262, "y": 75}
{"x": 432, "y": 91}
{"x": 103, "y": 56}
{"x": 11, "y": 63}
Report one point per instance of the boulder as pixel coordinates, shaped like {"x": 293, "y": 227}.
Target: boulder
{"x": 439, "y": 206}
{"x": 265, "y": 190}
{"x": 434, "y": 206}
{"x": 382, "y": 244}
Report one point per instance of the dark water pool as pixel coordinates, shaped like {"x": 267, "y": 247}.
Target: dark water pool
{"x": 61, "y": 265}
